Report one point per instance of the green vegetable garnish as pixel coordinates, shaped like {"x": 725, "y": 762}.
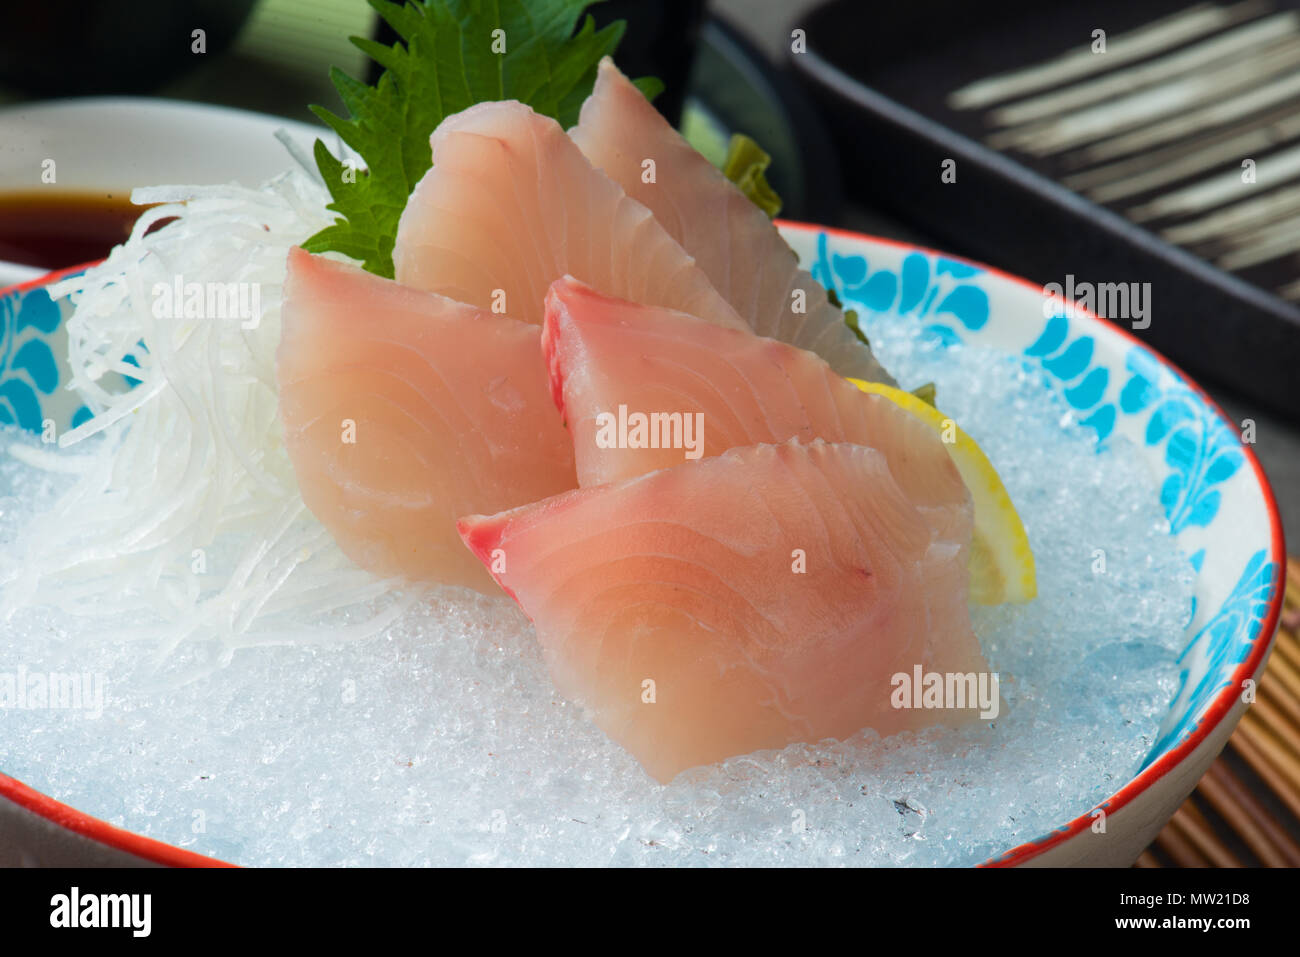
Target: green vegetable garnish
{"x": 850, "y": 316}
{"x": 704, "y": 133}
{"x": 456, "y": 53}
{"x": 926, "y": 393}
{"x": 746, "y": 163}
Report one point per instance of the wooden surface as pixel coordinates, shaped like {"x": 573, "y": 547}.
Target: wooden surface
{"x": 1246, "y": 810}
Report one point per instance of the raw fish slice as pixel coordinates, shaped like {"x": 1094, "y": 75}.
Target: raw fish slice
{"x": 742, "y": 389}
{"x": 732, "y": 240}
{"x": 687, "y": 578}
{"x": 511, "y": 205}
{"x": 450, "y": 411}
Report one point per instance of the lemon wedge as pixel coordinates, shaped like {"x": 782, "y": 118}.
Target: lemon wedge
{"x": 1001, "y": 562}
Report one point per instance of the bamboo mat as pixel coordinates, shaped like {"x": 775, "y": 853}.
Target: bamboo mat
{"x": 1246, "y": 810}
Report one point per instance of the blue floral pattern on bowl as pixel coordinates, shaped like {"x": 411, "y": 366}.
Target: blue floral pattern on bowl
{"x": 33, "y": 365}
{"x": 934, "y": 289}
{"x": 1200, "y": 449}
{"x": 28, "y": 370}
{"x": 1070, "y": 361}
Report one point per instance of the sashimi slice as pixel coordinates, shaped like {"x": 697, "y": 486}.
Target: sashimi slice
{"x": 744, "y": 602}
{"x": 719, "y": 388}
{"x": 732, "y": 240}
{"x": 404, "y": 410}
{"x": 511, "y": 204}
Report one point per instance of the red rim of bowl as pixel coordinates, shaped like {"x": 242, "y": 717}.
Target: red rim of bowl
{"x": 162, "y": 853}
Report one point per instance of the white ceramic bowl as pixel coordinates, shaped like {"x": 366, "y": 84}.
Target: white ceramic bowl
{"x": 1216, "y": 497}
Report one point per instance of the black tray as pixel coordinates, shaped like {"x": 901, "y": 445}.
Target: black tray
{"x": 883, "y": 74}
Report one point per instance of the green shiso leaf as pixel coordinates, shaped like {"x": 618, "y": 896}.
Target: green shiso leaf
{"x": 650, "y": 86}
{"x": 452, "y": 54}
{"x": 746, "y": 163}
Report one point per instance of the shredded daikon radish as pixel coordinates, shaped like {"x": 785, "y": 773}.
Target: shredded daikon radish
{"x": 185, "y": 512}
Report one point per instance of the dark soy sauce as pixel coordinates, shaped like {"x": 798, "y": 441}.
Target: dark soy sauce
{"x": 51, "y": 230}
